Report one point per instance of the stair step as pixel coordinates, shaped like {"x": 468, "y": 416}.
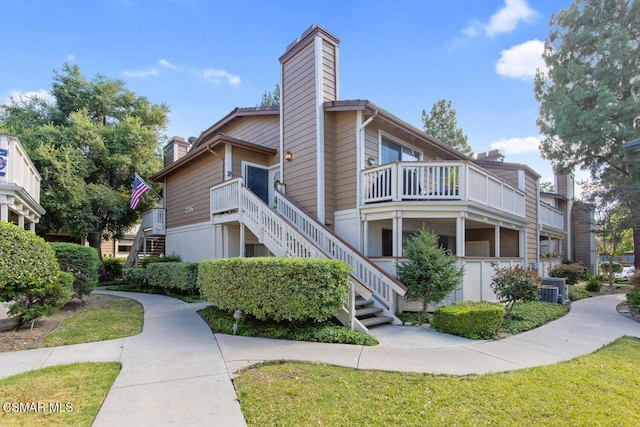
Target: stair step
{"x": 361, "y": 302}
{"x": 378, "y": 320}
{"x": 368, "y": 311}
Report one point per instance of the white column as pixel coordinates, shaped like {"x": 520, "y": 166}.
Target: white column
{"x": 460, "y": 236}
{"x": 365, "y": 243}
{"x": 4, "y": 213}
{"x": 397, "y": 235}
{"x": 21, "y": 221}
{"x": 497, "y": 242}
{"x": 32, "y": 226}
{"x": 242, "y": 240}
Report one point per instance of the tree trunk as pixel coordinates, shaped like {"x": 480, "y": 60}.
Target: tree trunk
{"x": 95, "y": 241}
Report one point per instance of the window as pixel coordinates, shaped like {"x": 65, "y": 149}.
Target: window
{"x": 391, "y": 151}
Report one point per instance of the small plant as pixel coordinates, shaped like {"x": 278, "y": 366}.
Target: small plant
{"x": 634, "y": 298}
{"x": 475, "y": 320}
{"x": 513, "y": 284}
{"x": 571, "y": 272}
{"x": 431, "y": 273}
{"x": 594, "y": 283}
{"x": 577, "y": 292}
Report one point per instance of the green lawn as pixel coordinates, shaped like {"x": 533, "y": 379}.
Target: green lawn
{"x": 597, "y": 389}
{"x": 119, "y": 319}
{"x": 79, "y": 389}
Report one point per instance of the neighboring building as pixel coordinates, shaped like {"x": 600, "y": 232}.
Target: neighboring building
{"x": 19, "y": 185}
{"x": 320, "y": 176}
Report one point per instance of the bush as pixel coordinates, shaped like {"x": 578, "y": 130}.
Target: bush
{"x": 155, "y": 259}
{"x": 594, "y": 283}
{"x": 134, "y": 276}
{"x": 512, "y": 284}
{"x": 531, "y": 314}
{"x": 27, "y": 262}
{"x": 174, "y": 275}
{"x": 634, "y": 298}
{"x": 617, "y": 267}
{"x": 475, "y": 320}
{"x": 571, "y": 272}
{"x": 82, "y": 262}
{"x": 577, "y": 292}
{"x": 294, "y": 289}
{"x": 113, "y": 268}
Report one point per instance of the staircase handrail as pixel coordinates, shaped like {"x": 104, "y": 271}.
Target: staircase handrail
{"x": 135, "y": 249}
{"x": 365, "y": 270}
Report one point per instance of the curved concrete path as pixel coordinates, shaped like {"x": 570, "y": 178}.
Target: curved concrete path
{"x": 176, "y": 372}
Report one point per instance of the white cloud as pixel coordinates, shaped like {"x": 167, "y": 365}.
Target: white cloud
{"x": 70, "y": 57}
{"x": 504, "y": 20}
{"x": 219, "y": 76}
{"x": 17, "y": 95}
{"x": 522, "y": 61}
{"x": 517, "y": 145}
{"x": 141, "y": 73}
{"x": 167, "y": 64}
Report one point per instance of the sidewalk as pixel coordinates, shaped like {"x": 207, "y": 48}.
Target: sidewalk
{"x": 177, "y": 372}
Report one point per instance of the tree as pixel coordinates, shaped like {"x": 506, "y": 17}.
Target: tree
{"x": 513, "y": 284}
{"x": 547, "y": 187}
{"x": 270, "y": 99}
{"x": 87, "y": 146}
{"x": 430, "y": 274}
{"x": 589, "y": 96}
{"x": 442, "y": 123}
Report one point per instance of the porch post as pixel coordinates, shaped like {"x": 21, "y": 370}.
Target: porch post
{"x": 397, "y": 235}
{"x": 497, "y": 242}
{"x": 242, "y": 239}
{"x": 21, "y": 221}
{"x": 32, "y": 226}
{"x": 4, "y": 212}
{"x": 365, "y": 243}
{"x": 460, "y": 236}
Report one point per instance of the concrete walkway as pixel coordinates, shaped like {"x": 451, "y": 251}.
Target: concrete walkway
{"x": 176, "y": 372}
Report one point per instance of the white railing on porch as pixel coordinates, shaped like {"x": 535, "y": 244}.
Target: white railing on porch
{"x": 385, "y": 287}
{"x": 440, "y": 181}
{"x": 153, "y": 222}
{"x": 551, "y": 216}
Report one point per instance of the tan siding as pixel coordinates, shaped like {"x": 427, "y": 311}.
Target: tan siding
{"x": 531, "y": 213}
{"x": 260, "y": 130}
{"x": 108, "y": 248}
{"x": 239, "y": 155}
{"x": 329, "y": 166}
{"x": 168, "y": 155}
{"x": 581, "y": 229}
{"x": 346, "y": 172}
{"x": 329, "y": 83}
{"x": 190, "y": 186}
{"x": 299, "y": 128}
{"x": 182, "y": 150}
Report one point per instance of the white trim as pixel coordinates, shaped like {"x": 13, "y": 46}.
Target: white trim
{"x": 359, "y": 150}
{"x": 337, "y": 75}
{"x": 281, "y": 123}
{"x": 398, "y": 141}
{"x": 228, "y": 162}
{"x": 320, "y": 189}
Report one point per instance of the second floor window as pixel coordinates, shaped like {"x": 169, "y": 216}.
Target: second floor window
{"x": 391, "y": 151}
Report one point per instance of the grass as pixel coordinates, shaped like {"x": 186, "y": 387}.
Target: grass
{"x": 222, "y": 322}
{"x": 597, "y": 389}
{"x": 120, "y": 319}
{"x": 125, "y": 287}
{"x": 79, "y": 388}
{"x": 531, "y": 314}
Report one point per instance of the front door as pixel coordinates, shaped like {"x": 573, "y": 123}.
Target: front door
{"x": 256, "y": 179}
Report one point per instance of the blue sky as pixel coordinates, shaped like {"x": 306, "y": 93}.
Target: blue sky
{"x": 204, "y": 58}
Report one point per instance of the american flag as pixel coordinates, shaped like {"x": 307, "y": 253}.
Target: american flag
{"x": 138, "y": 188}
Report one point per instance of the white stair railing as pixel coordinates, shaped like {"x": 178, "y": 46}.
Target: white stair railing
{"x": 384, "y": 286}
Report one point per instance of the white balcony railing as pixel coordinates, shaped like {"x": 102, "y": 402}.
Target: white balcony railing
{"x": 551, "y": 217}
{"x": 440, "y": 181}
{"x": 153, "y": 222}
{"x": 19, "y": 169}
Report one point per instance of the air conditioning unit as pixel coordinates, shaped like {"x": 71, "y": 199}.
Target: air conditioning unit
{"x": 549, "y": 294}
{"x": 561, "y": 284}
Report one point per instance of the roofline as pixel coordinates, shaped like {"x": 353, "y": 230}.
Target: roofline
{"x": 554, "y": 195}
{"x": 306, "y": 37}
{"x": 203, "y": 148}
{"x": 507, "y": 165}
{"x": 234, "y": 114}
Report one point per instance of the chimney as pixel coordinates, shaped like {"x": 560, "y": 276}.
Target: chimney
{"x": 309, "y": 78}
{"x": 173, "y": 150}
{"x": 492, "y": 156}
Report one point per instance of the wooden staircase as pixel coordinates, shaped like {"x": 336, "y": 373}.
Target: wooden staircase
{"x": 150, "y": 239}
{"x": 289, "y": 231}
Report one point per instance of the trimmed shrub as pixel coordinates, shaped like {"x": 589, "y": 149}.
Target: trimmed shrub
{"x": 512, "y": 284}
{"x": 155, "y": 259}
{"x": 27, "y": 262}
{"x": 293, "y": 289}
{"x": 475, "y": 320}
{"x": 113, "y": 268}
{"x": 174, "y": 275}
{"x": 571, "y": 272}
{"x": 617, "y": 267}
{"x": 41, "y": 302}
{"x": 134, "y": 276}
{"x": 594, "y": 283}
{"x": 634, "y": 298}
{"x": 82, "y": 262}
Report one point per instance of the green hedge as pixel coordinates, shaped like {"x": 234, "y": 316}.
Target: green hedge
{"x": 634, "y": 298}
{"x": 475, "y": 320}
{"x": 82, "y": 262}
{"x": 617, "y": 267}
{"x": 294, "y": 289}
{"x": 134, "y": 276}
{"x": 173, "y": 275}
{"x": 156, "y": 259}
{"x": 113, "y": 267}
